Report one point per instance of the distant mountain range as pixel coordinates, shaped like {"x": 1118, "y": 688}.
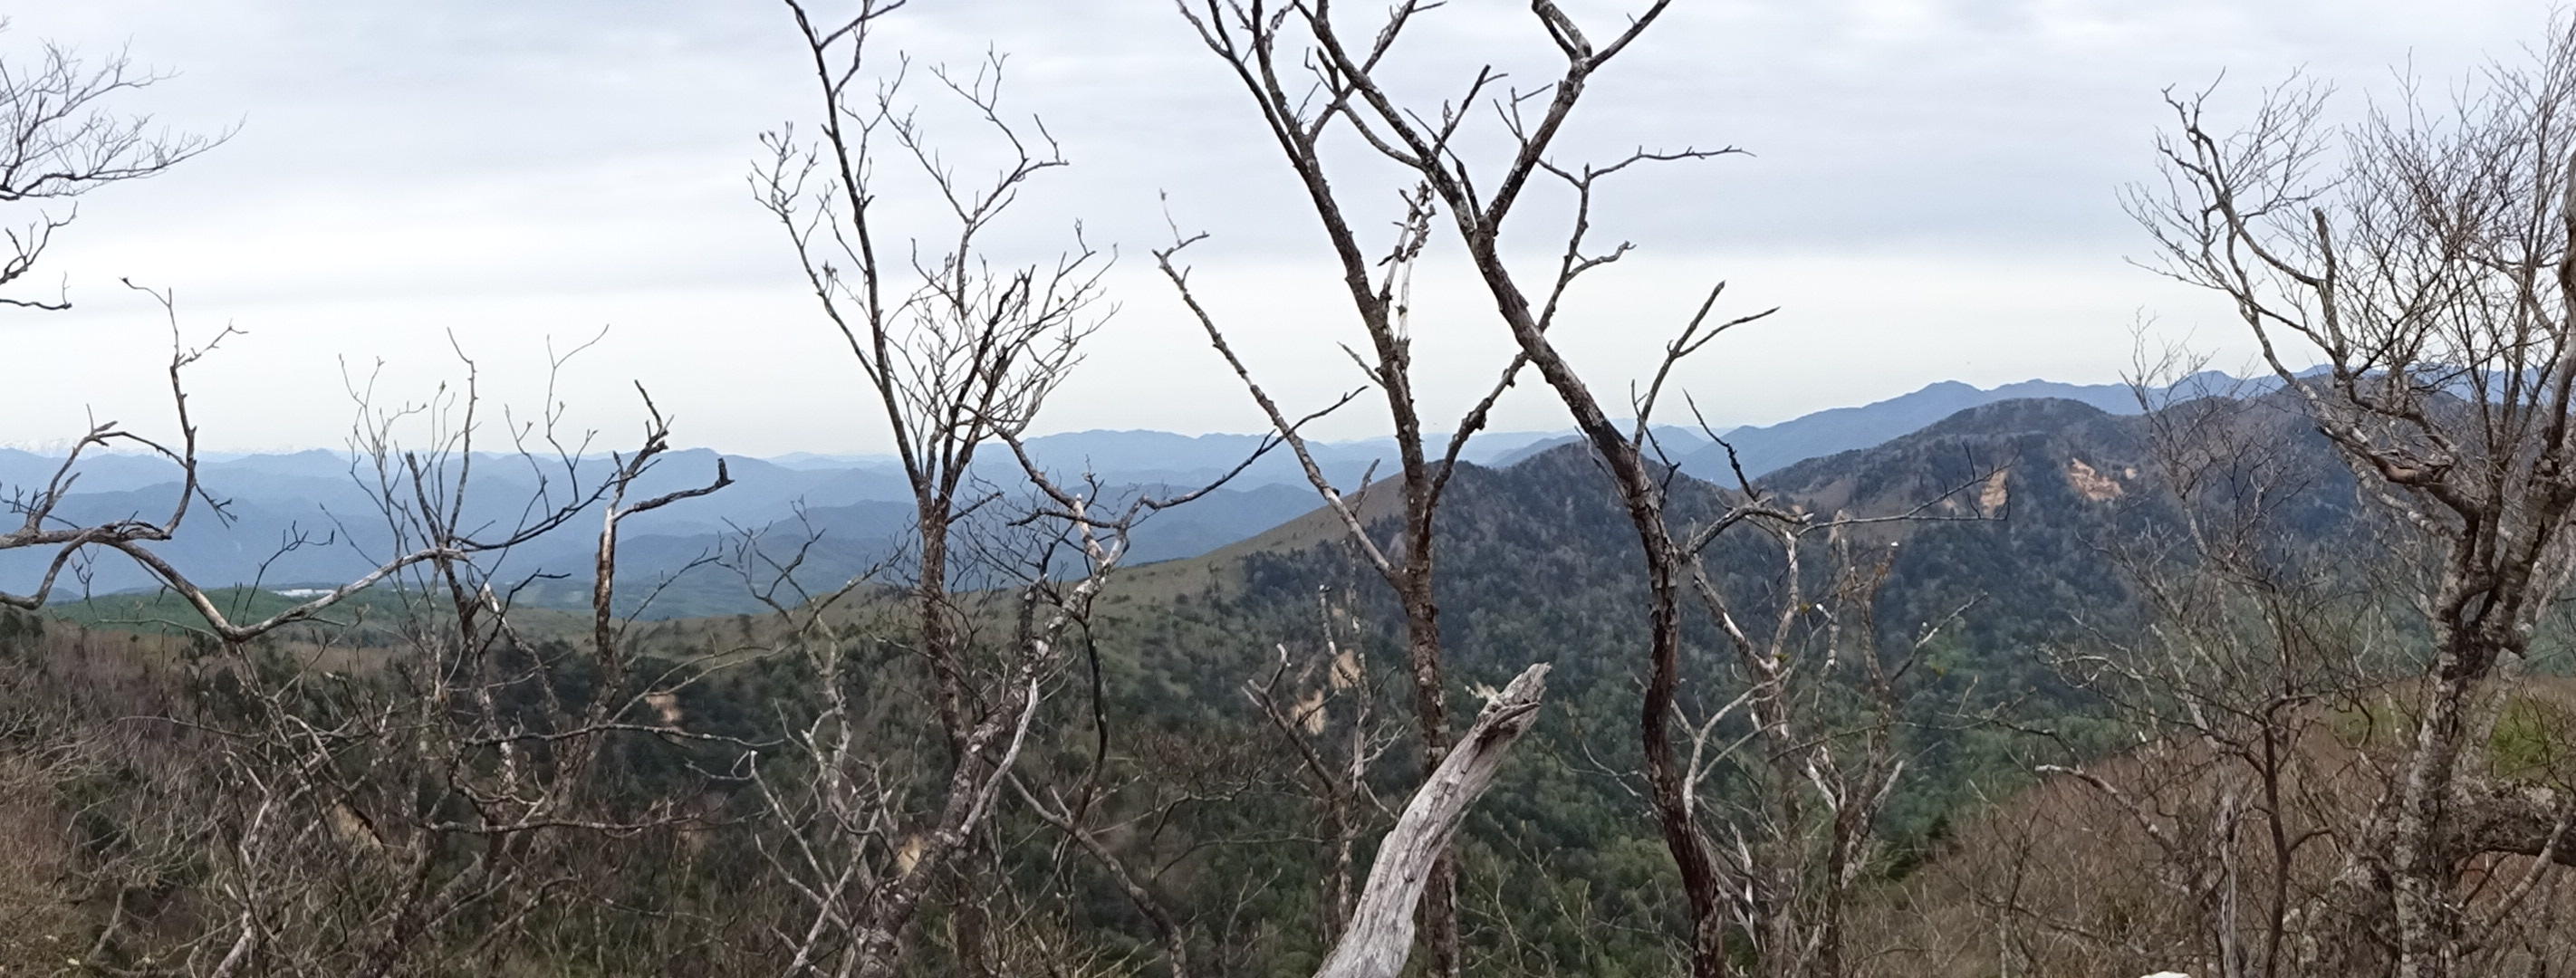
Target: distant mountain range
{"x": 859, "y": 505}
{"x": 1765, "y": 449}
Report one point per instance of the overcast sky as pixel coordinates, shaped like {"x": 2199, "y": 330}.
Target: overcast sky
{"x": 1931, "y": 196}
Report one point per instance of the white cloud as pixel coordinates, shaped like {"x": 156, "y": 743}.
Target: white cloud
{"x": 1932, "y": 197}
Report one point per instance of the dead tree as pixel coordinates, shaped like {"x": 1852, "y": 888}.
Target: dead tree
{"x": 131, "y": 538}
{"x": 62, "y": 136}
{"x": 953, "y": 351}
{"x": 2422, "y": 257}
{"x": 1812, "y": 737}
{"x": 402, "y": 823}
{"x": 1321, "y": 706}
{"x": 2252, "y": 669}
{"x": 960, "y": 351}
{"x": 349, "y": 820}
{"x": 1341, "y": 67}
{"x": 858, "y": 848}
{"x": 401, "y": 791}
{"x": 1795, "y": 852}
{"x": 1378, "y": 280}
{"x": 35, "y": 506}
{"x": 1380, "y": 935}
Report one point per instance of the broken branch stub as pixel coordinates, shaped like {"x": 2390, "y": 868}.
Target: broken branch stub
{"x": 1380, "y": 934}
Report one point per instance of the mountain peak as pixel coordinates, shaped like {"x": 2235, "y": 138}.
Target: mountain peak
{"x": 2017, "y": 415}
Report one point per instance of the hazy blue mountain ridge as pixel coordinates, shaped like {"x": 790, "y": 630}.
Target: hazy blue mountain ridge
{"x": 857, "y": 509}
{"x": 1764, "y": 449}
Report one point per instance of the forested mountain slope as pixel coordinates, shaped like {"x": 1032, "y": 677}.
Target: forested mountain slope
{"x": 2023, "y": 505}
{"x": 2019, "y": 510}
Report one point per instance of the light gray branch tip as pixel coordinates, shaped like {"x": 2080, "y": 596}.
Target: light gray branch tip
{"x": 1517, "y": 699}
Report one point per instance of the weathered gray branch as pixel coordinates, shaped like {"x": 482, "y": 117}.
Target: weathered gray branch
{"x": 1380, "y": 935}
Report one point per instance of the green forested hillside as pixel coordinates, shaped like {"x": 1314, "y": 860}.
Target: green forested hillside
{"x": 2021, "y": 512}
{"x": 2025, "y": 506}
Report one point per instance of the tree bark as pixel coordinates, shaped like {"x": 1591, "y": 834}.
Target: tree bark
{"x": 1380, "y": 935}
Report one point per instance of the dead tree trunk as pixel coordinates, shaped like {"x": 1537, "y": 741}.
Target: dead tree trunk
{"x": 1380, "y": 935}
